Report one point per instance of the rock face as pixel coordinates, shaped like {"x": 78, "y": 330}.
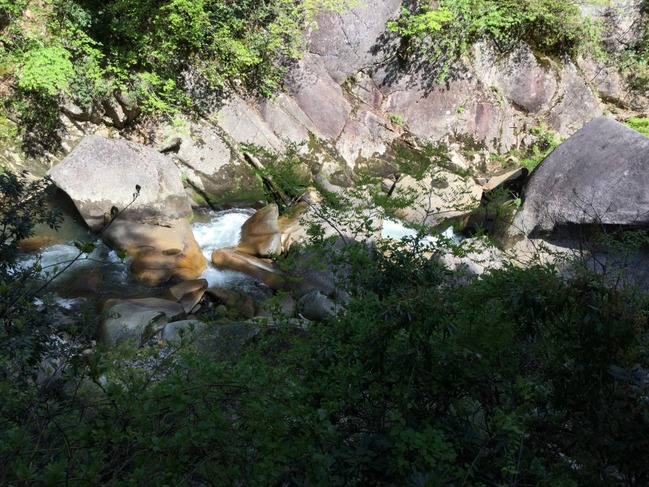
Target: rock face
{"x": 209, "y": 165}
{"x": 599, "y": 175}
{"x": 101, "y": 173}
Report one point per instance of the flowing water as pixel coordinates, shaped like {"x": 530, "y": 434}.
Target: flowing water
{"x": 212, "y": 230}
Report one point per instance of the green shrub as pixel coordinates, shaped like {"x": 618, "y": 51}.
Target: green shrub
{"x": 639, "y": 124}
{"x": 515, "y": 378}
{"x": 445, "y": 32}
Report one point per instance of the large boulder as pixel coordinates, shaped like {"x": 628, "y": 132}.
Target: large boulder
{"x": 158, "y": 252}
{"x": 600, "y": 175}
{"x": 260, "y": 234}
{"x": 101, "y": 173}
{"x": 209, "y": 165}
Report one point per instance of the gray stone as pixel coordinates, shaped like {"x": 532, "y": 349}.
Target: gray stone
{"x": 135, "y": 319}
{"x": 286, "y": 119}
{"x": 284, "y": 304}
{"x": 599, "y": 175}
{"x": 365, "y": 136}
{"x": 116, "y": 116}
{"x": 457, "y": 109}
{"x": 188, "y": 329}
{"x": 525, "y": 82}
{"x": 604, "y": 79}
{"x": 243, "y": 124}
{"x": 225, "y": 342}
{"x": 315, "y": 306}
{"x": 311, "y": 274}
{"x": 101, "y": 173}
{"x": 577, "y": 104}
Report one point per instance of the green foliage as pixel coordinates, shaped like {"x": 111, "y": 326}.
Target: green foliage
{"x": 158, "y": 53}
{"x": 445, "y": 32}
{"x": 47, "y": 70}
{"x": 396, "y": 119}
{"x": 639, "y": 124}
{"x": 24, "y": 330}
{"x": 503, "y": 380}
{"x": 22, "y": 207}
{"x": 633, "y": 60}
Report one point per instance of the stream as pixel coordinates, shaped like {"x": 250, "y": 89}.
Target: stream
{"x": 212, "y": 230}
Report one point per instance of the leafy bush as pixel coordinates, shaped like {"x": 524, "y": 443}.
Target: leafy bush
{"x": 639, "y": 124}
{"x": 518, "y": 378}
{"x": 446, "y": 31}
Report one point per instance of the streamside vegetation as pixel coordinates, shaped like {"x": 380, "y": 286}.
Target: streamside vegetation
{"x": 430, "y": 378}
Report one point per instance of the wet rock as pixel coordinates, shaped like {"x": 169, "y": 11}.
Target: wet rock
{"x": 285, "y": 305}
{"x": 187, "y": 293}
{"x": 158, "y": 253}
{"x": 262, "y": 269}
{"x": 260, "y": 234}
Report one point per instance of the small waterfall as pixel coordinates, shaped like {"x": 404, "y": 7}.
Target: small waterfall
{"x": 222, "y": 229}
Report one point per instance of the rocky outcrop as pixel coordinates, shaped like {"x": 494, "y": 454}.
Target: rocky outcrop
{"x": 102, "y": 173}
{"x": 209, "y": 164}
{"x": 348, "y": 43}
{"x": 597, "y": 176}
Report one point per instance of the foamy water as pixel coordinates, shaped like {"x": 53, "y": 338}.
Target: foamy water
{"x": 221, "y": 231}
{"x": 217, "y": 230}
